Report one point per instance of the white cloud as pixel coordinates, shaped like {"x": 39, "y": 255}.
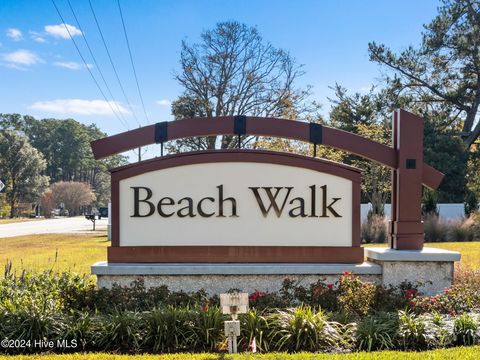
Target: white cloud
{"x": 60, "y": 31}
{"x": 163, "y": 102}
{"x": 71, "y": 65}
{"x": 35, "y": 36}
{"x": 79, "y": 107}
{"x": 20, "y": 59}
{"x": 14, "y": 34}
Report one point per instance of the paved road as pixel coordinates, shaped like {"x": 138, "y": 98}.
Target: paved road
{"x": 75, "y": 225}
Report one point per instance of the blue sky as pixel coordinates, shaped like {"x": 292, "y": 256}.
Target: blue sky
{"x": 41, "y": 73}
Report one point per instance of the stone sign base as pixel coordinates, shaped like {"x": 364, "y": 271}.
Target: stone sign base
{"x": 219, "y": 278}
{"x": 432, "y": 267}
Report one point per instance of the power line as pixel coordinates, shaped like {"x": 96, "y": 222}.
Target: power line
{"x": 85, "y": 63}
{"x": 111, "y": 62}
{"x": 124, "y": 122}
{"x": 131, "y": 60}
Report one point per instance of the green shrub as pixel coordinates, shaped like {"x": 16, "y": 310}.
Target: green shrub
{"x": 412, "y": 332}
{"x": 377, "y": 332}
{"x": 465, "y": 330}
{"x": 208, "y": 327}
{"x": 32, "y": 325}
{"x": 168, "y": 330}
{"x": 84, "y": 328}
{"x": 48, "y": 292}
{"x": 442, "y": 329}
{"x": 120, "y": 331}
{"x": 197, "y": 329}
{"x": 253, "y": 326}
{"x": 302, "y": 329}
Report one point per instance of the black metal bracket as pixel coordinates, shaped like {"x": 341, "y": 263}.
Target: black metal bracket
{"x": 161, "y": 134}
{"x": 240, "y": 128}
{"x": 316, "y": 136}
{"x": 411, "y": 164}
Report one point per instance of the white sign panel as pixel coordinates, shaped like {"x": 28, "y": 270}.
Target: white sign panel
{"x": 235, "y": 203}
{"x": 2, "y": 185}
{"x": 236, "y": 303}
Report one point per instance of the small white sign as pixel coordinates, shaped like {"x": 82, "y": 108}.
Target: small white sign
{"x": 232, "y": 328}
{"x": 234, "y": 303}
{"x": 2, "y": 185}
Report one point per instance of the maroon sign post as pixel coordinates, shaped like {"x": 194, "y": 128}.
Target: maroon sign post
{"x": 406, "y": 226}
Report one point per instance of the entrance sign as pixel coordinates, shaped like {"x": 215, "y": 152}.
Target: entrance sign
{"x": 236, "y": 206}
{"x": 241, "y": 205}
{"x": 236, "y": 203}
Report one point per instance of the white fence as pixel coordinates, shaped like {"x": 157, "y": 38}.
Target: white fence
{"x": 446, "y": 211}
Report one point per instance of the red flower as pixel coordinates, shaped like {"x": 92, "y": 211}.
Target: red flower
{"x": 433, "y": 301}
{"x": 446, "y": 291}
{"x": 256, "y": 295}
{"x": 317, "y": 291}
{"x": 347, "y": 273}
{"x": 409, "y": 293}
{"x": 330, "y": 286}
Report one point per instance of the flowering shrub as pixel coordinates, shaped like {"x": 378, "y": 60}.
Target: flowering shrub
{"x": 455, "y": 300}
{"x": 324, "y": 295}
{"x": 355, "y": 297}
{"x": 66, "y": 292}
{"x": 136, "y": 319}
{"x": 410, "y": 293}
{"x": 254, "y": 297}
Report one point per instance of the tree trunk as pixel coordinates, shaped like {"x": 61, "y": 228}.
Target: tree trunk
{"x": 12, "y": 208}
{"x": 211, "y": 142}
{"x": 13, "y": 197}
{"x": 473, "y": 136}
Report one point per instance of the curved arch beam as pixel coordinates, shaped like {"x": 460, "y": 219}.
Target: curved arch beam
{"x": 274, "y": 127}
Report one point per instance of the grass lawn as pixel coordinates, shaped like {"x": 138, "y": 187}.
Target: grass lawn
{"x": 463, "y": 353}
{"x": 17, "y": 220}
{"x": 79, "y": 252}
{"x": 53, "y": 251}
{"x": 470, "y": 252}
